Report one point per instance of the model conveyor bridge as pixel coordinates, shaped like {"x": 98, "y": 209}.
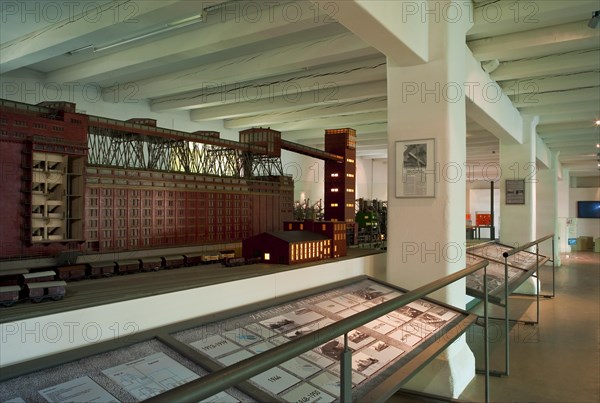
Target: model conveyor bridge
{"x": 135, "y": 145}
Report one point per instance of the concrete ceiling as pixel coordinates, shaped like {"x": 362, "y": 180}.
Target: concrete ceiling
{"x": 295, "y": 69}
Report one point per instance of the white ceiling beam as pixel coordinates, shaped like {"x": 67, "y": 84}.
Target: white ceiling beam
{"x": 536, "y": 43}
{"x": 361, "y": 106}
{"x": 570, "y": 159}
{"x": 376, "y": 22}
{"x": 579, "y": 151}
{"x": 567, "y": 142}
{"x": 328, "y": 95}
{"x": 560, "y": 97}
{"x": 111, "y": 21}
{"x": 497, "y": 115}
{"x": 530, "y": 88}
{"x": 351, "y": 120}
{"x": 589, "y": 132}
{"x": 568, "y": 117}
{"x": 473, "y": 143}
{"x": 572, "y": 62}
{"x": 505, "y": 16}
{"x": 587, "y": 135}
{"x": 361, "y": 130}
{"x": 287, "y": 59}
{"x": 585, "y": 106}
{"x": 360, "y": 139}
{"x": 382, "y": 141}
{"x": 324, "y": 79}
{"x": 371, "y": 155}
{"x": 211, "y": 36}
{"x": 568, "y": 127}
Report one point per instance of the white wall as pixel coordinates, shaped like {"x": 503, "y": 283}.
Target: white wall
{"x": 364, "y": 174}
{"x": 585, "y": 226}
{"x": 308, "y": 174}
{"x": 371, "y": 179}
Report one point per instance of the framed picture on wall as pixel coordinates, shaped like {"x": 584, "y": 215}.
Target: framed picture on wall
{"x": 415, "y": 168}
{"x": 515, "y": 191}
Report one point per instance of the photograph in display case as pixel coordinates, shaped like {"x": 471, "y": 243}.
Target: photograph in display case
{"x": 131, "y": 373}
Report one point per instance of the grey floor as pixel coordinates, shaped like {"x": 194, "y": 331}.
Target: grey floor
{"x": 557, "y": 360}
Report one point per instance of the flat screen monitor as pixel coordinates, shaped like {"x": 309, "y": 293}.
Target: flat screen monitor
{"x": 588, "y": 209}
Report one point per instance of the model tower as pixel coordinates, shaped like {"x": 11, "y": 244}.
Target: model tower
{"x": 340, "y": 181}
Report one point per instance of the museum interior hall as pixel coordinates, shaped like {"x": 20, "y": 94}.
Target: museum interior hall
{"x": 300, "y": 200}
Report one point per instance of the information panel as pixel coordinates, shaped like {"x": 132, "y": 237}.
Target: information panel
{"x": 127, "y": 374}
{"x": 381, "y": 345}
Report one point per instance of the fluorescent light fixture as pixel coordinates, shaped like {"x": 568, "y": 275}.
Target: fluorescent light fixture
{"x": 71, "y": 53}
{"x": 169, "y": 27}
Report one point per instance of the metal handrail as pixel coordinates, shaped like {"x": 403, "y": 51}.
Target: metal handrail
{"x": 232, "y": 375}
{"x": 506, "y": 308}
{"x": 526, "y": 246}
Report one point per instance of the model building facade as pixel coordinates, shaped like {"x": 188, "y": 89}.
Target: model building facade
{"x": 76, "y": 182}
{"x": 340, "y": 181}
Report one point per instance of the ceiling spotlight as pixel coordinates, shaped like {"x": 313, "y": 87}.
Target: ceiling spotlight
{"x": 597, "y": 122}
{"x": 595, "y": 20}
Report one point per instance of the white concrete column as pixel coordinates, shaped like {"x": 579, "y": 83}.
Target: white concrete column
{"x": 563, "y": 210}
{"x": 518, "y": 162}
{"x": 547, "y": 206}
{"x": 427, "y": 235}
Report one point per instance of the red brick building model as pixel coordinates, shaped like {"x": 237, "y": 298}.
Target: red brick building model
{"x": 76, "y": 182}
{"x": 287, "y": 247}
{"x": 334, "y": 230}
{"x": 340, "y": 181}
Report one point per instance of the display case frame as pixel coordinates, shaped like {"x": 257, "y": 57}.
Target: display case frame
{"x": 165, "y": 335}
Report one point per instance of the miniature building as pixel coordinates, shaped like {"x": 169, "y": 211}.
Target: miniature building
{"x": 340, "y": 180}
{"x": 333, "y": 230}
{"x": 287, "y": 247}
{"x": 80, "y": 183}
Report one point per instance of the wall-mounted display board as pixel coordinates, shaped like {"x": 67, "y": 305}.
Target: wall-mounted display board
{"x": 385, "y": 352}
{"x": 515, "y": 191}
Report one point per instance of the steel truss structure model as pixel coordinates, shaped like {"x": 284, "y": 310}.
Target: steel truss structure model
{"x": 88, "y": 184}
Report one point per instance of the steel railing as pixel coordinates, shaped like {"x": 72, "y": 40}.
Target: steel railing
{"x": 232, "y": 375}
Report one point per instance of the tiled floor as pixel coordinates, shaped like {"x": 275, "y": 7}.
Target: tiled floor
{"x": 557, "y": 360}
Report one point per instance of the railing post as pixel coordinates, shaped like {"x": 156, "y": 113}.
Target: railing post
{"x": 486, "y": 336}
{"x": 346, "y": 373}
{"x": 539, "y": 282}
{"x": 553, "y": 268}
{"x": 506, "y": 313}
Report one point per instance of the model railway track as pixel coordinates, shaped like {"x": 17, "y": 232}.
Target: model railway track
{"x": 85, "y": 294}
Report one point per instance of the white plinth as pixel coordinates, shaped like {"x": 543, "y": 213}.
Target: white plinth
{"x": 448, "y": 374}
